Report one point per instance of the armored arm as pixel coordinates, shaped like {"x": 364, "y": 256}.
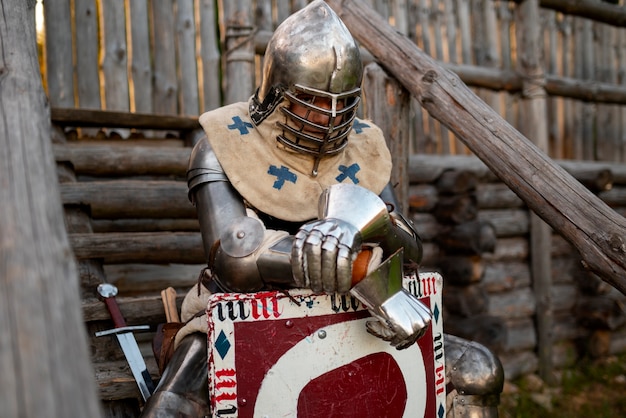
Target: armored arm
{"x": 241, "y": 254}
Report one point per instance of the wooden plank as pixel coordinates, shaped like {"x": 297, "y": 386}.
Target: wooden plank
{"x": 455, "y": 181}
{"x": 116, "y": 382}
{"x": 502, "y": 276}
{"x": 239, "y": 51}
{"x": 388, "y": 106}
{"x": 87, "y": 73}
{"x": 98, "y": 118}
{"x": 210, "y": 57}
{"x": 518, "y": 303}
{"x": 470, "y": 238}
{"x": 140, "y": 65}
{"x": 145, "y": 225}
{"x": 146, "y": 279}
{"x": 115, "y": 56}
{"x": 426, "y": 225}
{"x": 164, "y": 58}
{"x": 511, "y": 248}
{"x": 518, "y": 363}
{"x": 186, "y": 54}
{"x": 456, "y": 209}
{"x": 590, "y": 9}
{"x": 496, "y": 196}
{"x": 144, "y": 247}
{"x": 119, "y": 199}
{"x": 59, "y": 68}
{"x": 140, "y": 309}
{"x": 103, "y": 160}
{"x": 507, "y": 222}
{"x": 422, "y": 197}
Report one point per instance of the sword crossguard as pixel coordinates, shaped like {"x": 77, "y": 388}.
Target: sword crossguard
{"x": 122, "y": 330}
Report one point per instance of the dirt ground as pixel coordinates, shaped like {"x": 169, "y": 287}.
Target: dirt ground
{"x": 593, "y": 388}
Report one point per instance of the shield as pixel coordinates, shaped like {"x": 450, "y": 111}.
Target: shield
{"x": 299, "y": 354}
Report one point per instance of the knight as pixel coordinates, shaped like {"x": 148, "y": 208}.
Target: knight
{"x": 292, "y": 190}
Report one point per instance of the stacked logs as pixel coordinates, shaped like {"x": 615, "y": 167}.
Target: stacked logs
{"x": 476, "y": 233}
{"x": 601, "y": 308}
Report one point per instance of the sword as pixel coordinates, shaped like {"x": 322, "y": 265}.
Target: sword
{"x": 127, "y": 340}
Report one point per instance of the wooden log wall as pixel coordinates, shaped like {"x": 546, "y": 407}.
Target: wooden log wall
{"x": 185, "y": 57}
{"x": 476, "y": 233}
{"x": 130, "y": 224}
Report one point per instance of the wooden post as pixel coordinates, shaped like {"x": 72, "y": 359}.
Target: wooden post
{"x": 238, "y": 50}
{"x": 43, "y": 356}
{"x": 597, "y": 231}
{"x": 60, "y": 72}
{"x": 534, "y": 126}
{"x": 387, "y": 105}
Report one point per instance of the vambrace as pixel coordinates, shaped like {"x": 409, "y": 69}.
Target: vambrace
{"x": 402, "y": 234}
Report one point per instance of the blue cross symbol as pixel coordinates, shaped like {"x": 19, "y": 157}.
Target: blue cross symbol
{"x": 348, "y": 172}
{"x": 358, "y": 126}
{"x": 282, "y": 174}
{"x": 241, "y": 125}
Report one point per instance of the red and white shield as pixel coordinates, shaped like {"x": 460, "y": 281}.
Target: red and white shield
{"x": 273, "y": 354}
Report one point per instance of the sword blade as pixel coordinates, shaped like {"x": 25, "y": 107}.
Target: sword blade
{"x": 137, "y": 364}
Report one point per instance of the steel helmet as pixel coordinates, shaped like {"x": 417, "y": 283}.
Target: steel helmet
{"x": 311, "y": 58}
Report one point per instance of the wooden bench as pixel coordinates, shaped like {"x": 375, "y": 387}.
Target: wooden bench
{"x": 129, "y": 223}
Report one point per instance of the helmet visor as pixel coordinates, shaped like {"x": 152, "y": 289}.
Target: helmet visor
{"x": 318, "y": 122}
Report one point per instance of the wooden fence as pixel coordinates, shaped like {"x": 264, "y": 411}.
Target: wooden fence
{"x": 184, "y": 57}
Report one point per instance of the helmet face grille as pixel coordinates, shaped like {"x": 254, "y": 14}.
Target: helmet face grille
{"x": 318, "y": 122}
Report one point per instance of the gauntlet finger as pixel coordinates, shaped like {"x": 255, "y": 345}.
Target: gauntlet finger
{"x": 378, "y": 329}
{"x": 329, "y": 264}
{"x": 298, "y": 262}
{"x": 313, "y": 257}
{"x": 345, "y": 258}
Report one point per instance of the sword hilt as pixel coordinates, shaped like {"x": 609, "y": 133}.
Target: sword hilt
{"x": 107, "y": 292}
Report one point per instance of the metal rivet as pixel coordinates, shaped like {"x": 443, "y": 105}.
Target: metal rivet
{"x": 241, "y": 234}
{"x": 321, "y": 334}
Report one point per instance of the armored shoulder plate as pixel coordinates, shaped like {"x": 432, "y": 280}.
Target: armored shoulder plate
{"x": 203, "y": 166}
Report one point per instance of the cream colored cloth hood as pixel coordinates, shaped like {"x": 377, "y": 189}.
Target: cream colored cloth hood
{"x": 277, "y": 180}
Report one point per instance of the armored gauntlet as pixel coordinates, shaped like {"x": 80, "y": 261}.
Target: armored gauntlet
{"x": 324, "y": 250}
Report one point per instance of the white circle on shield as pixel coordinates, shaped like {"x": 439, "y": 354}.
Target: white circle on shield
{"x": 321, "y": 352}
